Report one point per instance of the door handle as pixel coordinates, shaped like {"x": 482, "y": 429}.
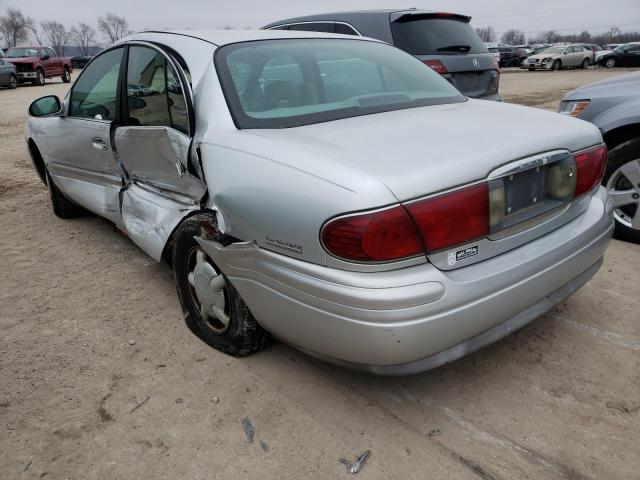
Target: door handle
{"x": 99, "y": 144}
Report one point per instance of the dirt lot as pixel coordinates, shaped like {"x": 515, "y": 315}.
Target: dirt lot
{"x": 91, "y": 329}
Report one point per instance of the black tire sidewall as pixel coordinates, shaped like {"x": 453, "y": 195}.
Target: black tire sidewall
{"x": 15, "y": 84}
{"x": 231, "y": 340}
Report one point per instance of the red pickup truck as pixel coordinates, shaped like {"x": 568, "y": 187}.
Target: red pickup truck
{"x": 34, "y": 64}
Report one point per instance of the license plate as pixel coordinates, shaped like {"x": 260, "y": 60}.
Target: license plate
{"x": 524, "y": 190}
{"x": 523, "y": 195}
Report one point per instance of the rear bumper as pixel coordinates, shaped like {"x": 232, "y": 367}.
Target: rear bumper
{"x": 417, "y": 318}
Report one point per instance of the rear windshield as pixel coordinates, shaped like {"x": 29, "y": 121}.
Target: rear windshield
{"x": 436, "y": 36}
{"x": 287, "y": 83}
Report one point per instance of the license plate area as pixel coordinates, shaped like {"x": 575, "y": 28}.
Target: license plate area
{"x": 526, "y": 193}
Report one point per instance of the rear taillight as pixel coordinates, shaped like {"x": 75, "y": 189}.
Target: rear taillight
{"x": 590, "y": 167}
{"x": 384, "y": 235}
{"x": 452, "y": 218}
{"x": 495, "y": 63}
{"x": 436, "y": 65}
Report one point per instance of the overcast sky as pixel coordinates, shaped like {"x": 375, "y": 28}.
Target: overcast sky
{"x": 565, "y": 16}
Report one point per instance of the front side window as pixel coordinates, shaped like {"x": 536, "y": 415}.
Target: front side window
{"x": 154, "y": 91}
{"x": 287, "y": 83}
{"x": 95, "y": 93}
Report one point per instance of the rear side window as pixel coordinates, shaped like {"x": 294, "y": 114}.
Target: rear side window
{"x": 154, "y": 91}
{"x": 324, "y": 27}
{"x": 345, "y": 29}
{"x": 436, "y": 36}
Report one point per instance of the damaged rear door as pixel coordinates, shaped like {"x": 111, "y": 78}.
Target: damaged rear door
{"x": 154, "y": 148}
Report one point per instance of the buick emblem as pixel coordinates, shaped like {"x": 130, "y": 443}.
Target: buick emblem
{"x": 476, "y": 63}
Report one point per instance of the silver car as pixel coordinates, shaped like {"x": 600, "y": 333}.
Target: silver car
{"x": 559, "y": 56}
{"x": 613, "y": 105}
{"x": 328, "y": 191}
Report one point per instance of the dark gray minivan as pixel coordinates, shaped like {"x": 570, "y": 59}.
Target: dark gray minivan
{"x": 445, "y": 42}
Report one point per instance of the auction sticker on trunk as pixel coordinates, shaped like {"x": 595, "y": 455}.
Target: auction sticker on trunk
{"x": 459, "y": 255}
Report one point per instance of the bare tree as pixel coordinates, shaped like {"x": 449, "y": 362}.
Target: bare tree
{"x": 84, "y": 36}
{"x": 113, "y": 27}
{"x": 550, "y": 36}
{"x": 487, "y": 34}
{"x": 15, "y": 27}
{"x": 513, "y": 37}
{"x": 56, "y": 35}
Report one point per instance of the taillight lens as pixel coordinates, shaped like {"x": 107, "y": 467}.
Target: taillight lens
{"x": 590, "y": 167}
{"x": 452, "y": 218}
{"x": 379, "y": 236}
{"x": 436, "y": 65}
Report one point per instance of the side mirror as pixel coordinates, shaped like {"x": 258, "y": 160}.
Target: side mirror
{"x": 44, "y": 57}
{"x": 45, "y": 106}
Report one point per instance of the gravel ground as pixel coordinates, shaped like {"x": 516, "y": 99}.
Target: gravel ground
{"x": 100, "y": 378}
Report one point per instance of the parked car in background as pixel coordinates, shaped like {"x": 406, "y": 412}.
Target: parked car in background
{"x": 613, "y": 105}
{"x": 35, "y": 64}
{"x": 80, "y": 61}
{"x": 601, "y": 53}
{"x": 446, "y": 42}
{"x": 8, "y": 77}
{"x": 495, "y": 53}
{"x": 559, "y": 56}
{"x": 593, "y": 48}
{"x": 627, "y": 55}
{"x": 402, "y": 239}
{"x": 510, "y": 56}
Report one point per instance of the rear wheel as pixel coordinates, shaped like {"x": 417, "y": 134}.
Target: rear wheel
{"x": 622, "y": 180}
{"x": 39, "y": 78}
{"x": 13, "y": 81}
{"x": 62, "y": 206}
{"x": 610, "y": 62}
{"x": 585, "y": 64}
{"x": 211, "y": 306}
{"x": 532, "y": 69}
{"x": 66, "y": 76}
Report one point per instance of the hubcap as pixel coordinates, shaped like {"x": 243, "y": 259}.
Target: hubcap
{"x": 208, "y": 291}
{"x": 611, "y": 63}
{"x": 13, "y": 82}
{"x": 624, "y": 188}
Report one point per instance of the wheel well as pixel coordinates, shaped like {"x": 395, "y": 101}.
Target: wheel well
{"x": 37, "y": 160}
{"x": 207, "y": 232}
{"x": 621, "y": 134}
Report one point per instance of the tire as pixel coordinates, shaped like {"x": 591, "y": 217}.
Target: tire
{"x": 532, "y": 69}
{"x": 62, "y": 206}
{"x": 13, "y": 82}
{"x": 40, "y": 80}
{"x": 241, "y": 335}
{"x": 585, "y": 64}
{"x": 625, "y": 158}
{"x": 556, "y": 65}
{"x": 610, "y": 62}
{"x": 66, "y": 76}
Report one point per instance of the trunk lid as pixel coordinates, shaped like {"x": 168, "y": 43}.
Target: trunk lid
{"x": 421, "y": 151}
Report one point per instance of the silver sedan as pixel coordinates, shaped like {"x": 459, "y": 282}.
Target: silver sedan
{"x": 328, "y": 191}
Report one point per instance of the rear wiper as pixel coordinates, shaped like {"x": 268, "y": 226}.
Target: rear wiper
{"x": 455, "y": 48}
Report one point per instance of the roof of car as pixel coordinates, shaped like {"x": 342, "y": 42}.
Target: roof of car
{"x": 337, "y": 16}
{"x": 224, "y": 37}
